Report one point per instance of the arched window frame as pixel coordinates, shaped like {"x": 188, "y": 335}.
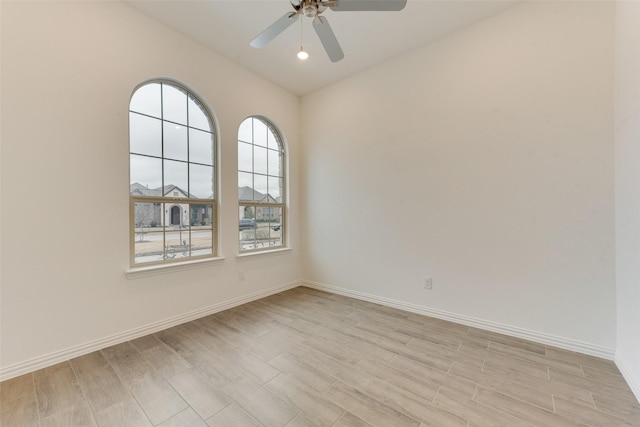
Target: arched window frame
{"x": 155, "y": 239}
{"x": 267, "y": 208}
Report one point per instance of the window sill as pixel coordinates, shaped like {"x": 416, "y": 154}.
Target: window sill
{"x": 249, "y": 255}
{"x": 154, "y": 270}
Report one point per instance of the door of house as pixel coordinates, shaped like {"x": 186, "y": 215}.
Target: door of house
{"x": 175, "y": 215}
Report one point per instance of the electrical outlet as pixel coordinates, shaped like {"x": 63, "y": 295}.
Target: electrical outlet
{"x": 428, "y": 282}
{"x": 241, "y": 276}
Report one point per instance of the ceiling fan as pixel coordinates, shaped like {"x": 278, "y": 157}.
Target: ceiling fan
{"x": 313, "y": 9}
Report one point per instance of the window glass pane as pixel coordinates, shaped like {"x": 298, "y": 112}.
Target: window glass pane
{"x": 201, "y": 181}
{"x": 275, "y": 232}
{"x": 144, "y": 135}
{"x": 260, "y": 160}
{"x": 177, "y": 244}
{"x": 245, "y": 186}
{"x": 245, "y": 133}
{"x": 259, "y": 133}
{"x": 200, "y": 147}
{"x": 274, "y": 163}
{"x": 260, "y": 182}
{"x": 262, "y": 234}
{"x": 148, "y": 233}
{"x": 197, "y": 116}
{"x": 175, "y": 173}
{"x": 201, "y": 241}
{"x": 174, "y": 104}
{"x": 201, "y": 215}
{"x": 146, "y": 100}
{"x": 175, "y": 141}
{"x": 275, "y": 188}
{"x": 247, "y": 227}
{"x": 145, "y": 175}
{"x": 245, "y": 157}
{"x": 272, "y": 142}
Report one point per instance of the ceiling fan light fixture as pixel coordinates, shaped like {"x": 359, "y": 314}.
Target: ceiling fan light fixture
{"x": 302, "y": 54}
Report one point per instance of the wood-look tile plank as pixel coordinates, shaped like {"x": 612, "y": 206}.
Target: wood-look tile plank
{"x": 317, "y": 409}
{"x": 302, "y": 372}
{"x": 203, "y": 396}
{"x": 350, "y": 420}
{"x": 260, "y": 403}
{"x": 435, "y": 377}
{"x": 222, "y": 337}
{"x": 247, "y": 326}
{"x": 367, "y": 408}
{"x": 589, "y": 416}
{"x": 165, "y": 360}
{"x": 186, "y": 418}
{"x": 78, "y": 416}
{"x": 57, "y": 390}
{"x": 554, "y": 388}
{"x": 156, "y": 397}
{"x": 126, "y": 413}
{"x": 590, "y": 384}
{"x": 127, "y": 362}
{"x": 16, "y": 388}
{"x": 444, "y": 354}
{"x": 233, "y": 416}
{"x": 517, "y": 355}
{"x": 323, "y": 345}
{"x": 413, "y": 405}
{"x": 605, "y": 377}
{"x": 476, "y": 413}
{"x": 358, "y": 340}
{"x": 505, "y": 384}
{"x": 558, "y": 354}
{"x": 88, "y": 363}
{"x": 400, "y": 378}
{"x": 331, "y": 367}
{"x": 102, "y": 388}
{"x": 623, "y": 408}
{"x": 20, "y": 412}
{"x": 513, "y": 342}
{"x": 383, "y": 333}
{"x": 521, "y": 410}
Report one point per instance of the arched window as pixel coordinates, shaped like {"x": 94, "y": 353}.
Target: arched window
{"x": 261, "y": 186}
{"x": 172, "y": 144}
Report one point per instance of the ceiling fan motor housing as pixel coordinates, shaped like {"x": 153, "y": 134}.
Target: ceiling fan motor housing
{"x": 310, "y": 8}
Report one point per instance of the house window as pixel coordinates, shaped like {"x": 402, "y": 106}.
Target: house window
{"x": 261, "y": 184}
{"x": 171, "y": 170}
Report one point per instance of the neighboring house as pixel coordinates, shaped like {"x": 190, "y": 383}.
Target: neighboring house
{"x": 175, "y": 214}
{"x": 248, "y": 194}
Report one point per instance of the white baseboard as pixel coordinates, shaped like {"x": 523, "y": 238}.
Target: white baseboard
{"x": 11, "y": 371}
{"x": 539, "y": 337}
{"x": 633, "y": 383}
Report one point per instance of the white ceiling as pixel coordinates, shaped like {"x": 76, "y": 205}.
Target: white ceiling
{"x": 367, "y": 38}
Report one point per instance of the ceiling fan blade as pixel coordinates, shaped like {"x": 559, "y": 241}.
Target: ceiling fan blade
{"x": 273, "y": 30}
{"x": 368, "y": 5}
{"x": 328, "y": 39}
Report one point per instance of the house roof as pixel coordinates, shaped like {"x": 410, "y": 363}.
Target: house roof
{"x": 142, "y": 190}
{"x": 245, "y": 193}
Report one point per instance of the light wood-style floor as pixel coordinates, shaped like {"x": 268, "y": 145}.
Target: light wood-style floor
{"x": 309, "y": 358}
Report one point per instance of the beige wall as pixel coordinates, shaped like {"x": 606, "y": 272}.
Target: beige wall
{"x": 68, "y": 70}
{"x": 627, "y": 91}
{"x": 483, "y": 160}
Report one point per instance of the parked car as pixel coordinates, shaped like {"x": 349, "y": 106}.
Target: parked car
{"x": 247, "y": 223}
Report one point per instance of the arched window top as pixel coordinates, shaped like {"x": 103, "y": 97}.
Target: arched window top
{"x": 172, "y": 103}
